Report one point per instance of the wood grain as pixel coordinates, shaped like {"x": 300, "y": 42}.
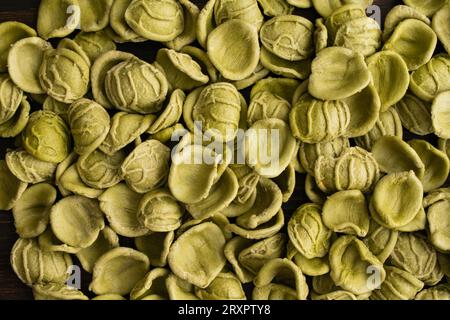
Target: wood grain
{"x": 26, "y": 11}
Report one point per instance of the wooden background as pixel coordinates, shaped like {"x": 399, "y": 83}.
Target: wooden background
{"x": 26, "y": 11}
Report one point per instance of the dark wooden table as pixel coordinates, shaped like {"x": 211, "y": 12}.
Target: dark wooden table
{"x": 26, "y": 11}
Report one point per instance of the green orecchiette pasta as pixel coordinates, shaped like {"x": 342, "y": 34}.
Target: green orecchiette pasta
{"x": 33, "y": 265}
{"x": 352, "y": 265}
{"x": 134, "y": 85}
{"x": 47, "y": 137}
{"x": 241, "y": 56}
{"x": 197, "y": 255}
{"x": 399, "y": 285}
{"x": 126, "y": 265}
{"x": 154, "y": 20}
{"x": 308, "y": 233}
{"x": 84, "y": 114}
{"x": 77, "y": 221}
{"x": 56, "y": 79}
{"x": 396, "y": 200}
{"x": 11, "y": 188}
{"x": 336, "y": 174}
{"x": 32, "y": 210}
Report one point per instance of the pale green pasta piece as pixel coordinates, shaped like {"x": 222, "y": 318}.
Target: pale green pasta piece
{"x": 171, "y": 114}
{"x": 33, "y": 265}
{"x": 94, "y": 44}
{"x": 414, "y": 254}
{"x": 436, "y": 164}
{"x": 341, "y": 16}
{"x": 125, "y": 128}
{"x": 284, "y": 272}
{"x": 11, "y": 32}
{"x": 84, "y": 114}
{"x": 11, "y": 97}
{"x": 134, "y": 85}
{"x": 388, "y": 124}
{"x": 256, "y": 254}
{"x": 439, "y": 115}
{"x": 347, "y": 212}
{"x": 428, "y": 8}
{"x": 315, "y": 121}
{"x": 282, "y": 87}
{"x": 70, "y": 182}
{"x": 147, "y": 166}
{"x": 55, "y": 106}
{"x": 325, "y": 8}
{"x": 127, "y": 266}
{"x": 226, "y": 286}
{"x": 308, "y": 233}
{"x": 390, "y": 77}
{"x": 189, "y": 34}
{"x": 441, "y": 28}
{"x": 64, "y": 74}
{"x": 94, "y": 14}
{"x": 432, "y": 78}
{"x": 265, "y": 230}
{"x": 396, "y": 200}
{"x": 99, "y": 71}
{"x": 270, "y": 147}
{"x": 350, "y": 261}
{"x": 181, "y": 70}
{"x": 399, "y": 285}
{"x": 159, "y": 211}
{"x": 47, "y": 137}
{"x": 380, "y": 240}
{"x": 245, "y": 10}
{"x": 275, "y": 8}
{"x": 414, "y": 41}
{"x": 118, "y": 23}
{"x": 24, "y": 62}
{"x": 439, "y": 224}
{"x": 185, "y": 170}
{"x": 154, "y": 283}
{"x": 335, "y": 174}
{"x": 241, "y": 55}
{"x": 232, "y": 251}
{"x": 106, "y": 240}
{"x": 120, "y": 205}
{"x": 77, "y": 221}
{"x": 27, "y": 168}
{"x": 100, "y": 171}
{"x": 11, "y": 188}
{"x": 32, "y": 210}
{"x": 415, "y": 115}
{"x": 222, "y": 193}
{"x": 154, "y": 20}
{"x": 439, "y": 292}
{"x": 156, "y": 246}
{"x": 285, "y": 68}
{"x": 338, "y": 73}
{"x": 57, "y": 291}
{"x": 399, "y": 13}
{"x": 49, "y": 242}
{"x": 197, "y": 255}
{"x": 59, "y": 24}
{"x": 218, "y": 110}
{"x": 362, "y": 35}
{"x": 288, "y": 37}
{"x": 364, "y": 108}
{"x": 395, "y": 155}
{"x": 179, "y": 289}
